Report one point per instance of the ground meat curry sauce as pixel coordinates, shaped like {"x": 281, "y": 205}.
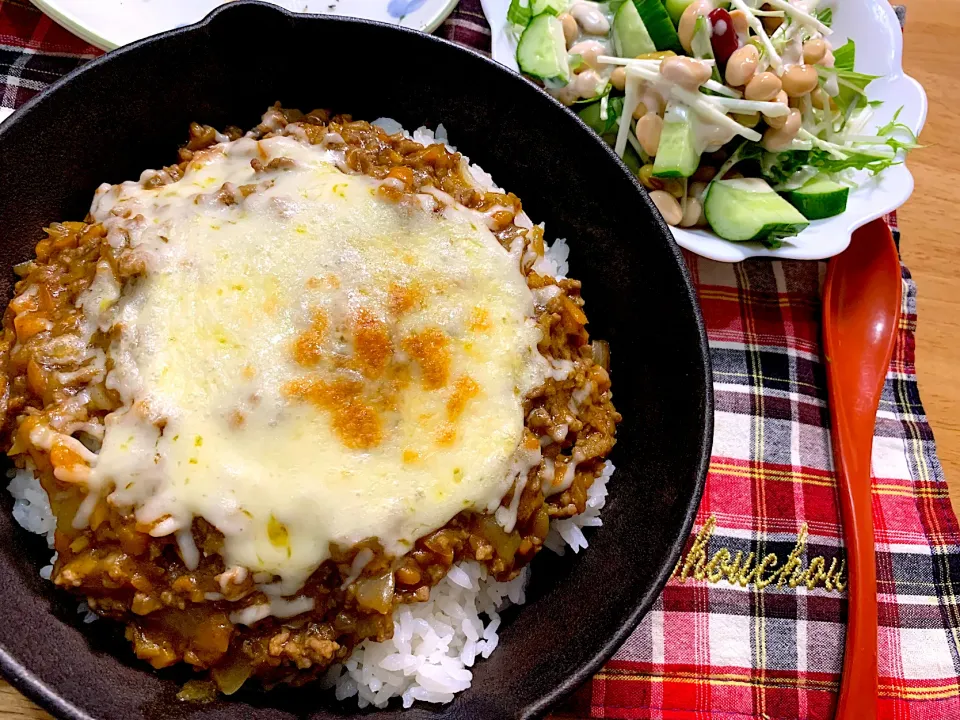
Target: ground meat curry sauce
{"x": 171, "y": 586}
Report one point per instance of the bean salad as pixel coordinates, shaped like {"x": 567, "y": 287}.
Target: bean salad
{"x": 743, "y": 117}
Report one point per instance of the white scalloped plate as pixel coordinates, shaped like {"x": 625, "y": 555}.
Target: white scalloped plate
{"x": 108, "y": 24}
{"x": 874, "y": 27}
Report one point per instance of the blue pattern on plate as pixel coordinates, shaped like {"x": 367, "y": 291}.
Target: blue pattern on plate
{"x": 401, "y": 8}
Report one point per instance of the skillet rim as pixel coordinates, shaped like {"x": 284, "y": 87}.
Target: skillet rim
{"x": 47, "y": 697}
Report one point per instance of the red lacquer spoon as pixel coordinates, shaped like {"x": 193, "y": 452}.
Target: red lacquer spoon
{"x": 861, "y": 312}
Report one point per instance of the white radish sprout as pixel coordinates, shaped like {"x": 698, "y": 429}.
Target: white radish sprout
{"x": 722, "y": 89}
{"x": 775, "y": 60}
{"x": 630, "y": 102}
{"x": 702, "y": 105}
{"x": 803, "y": 18}
{"x": 655, "y": 64}
{"x": 635, "y": 144}
{"x": 770, "y": 109}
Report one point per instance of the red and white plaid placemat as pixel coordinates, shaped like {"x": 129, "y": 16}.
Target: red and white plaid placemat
{"x": 752, "y": 623}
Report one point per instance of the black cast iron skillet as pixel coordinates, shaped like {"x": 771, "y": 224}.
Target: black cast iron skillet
{"x": 130, "y": 110}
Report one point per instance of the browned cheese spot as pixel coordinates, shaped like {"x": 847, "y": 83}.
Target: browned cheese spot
{"x": 371, "y": 342}
{"x": 464, "y": 390}
{"x": 403, "y": 298}
{"x": 429, "y": 349}
{"x": 355, "y": 423}
{"x": 480, "y": 320}
{"x": 307, "y": 350}
{"x": 447, "y": 436}
{"x": 326, "y": 282}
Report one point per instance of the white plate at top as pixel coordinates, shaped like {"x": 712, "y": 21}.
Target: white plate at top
{"x": 873, "y": 26}
{"x": 108, "y": 24}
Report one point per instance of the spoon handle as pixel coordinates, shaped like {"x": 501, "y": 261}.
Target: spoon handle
{"x": 858, "y": 688}
{"x": 861, "y": 310}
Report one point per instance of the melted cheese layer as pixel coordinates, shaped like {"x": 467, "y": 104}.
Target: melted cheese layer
{"x": 309, "y": 364}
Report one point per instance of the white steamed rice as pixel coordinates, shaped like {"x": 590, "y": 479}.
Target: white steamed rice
{"x": 434, "y": 643}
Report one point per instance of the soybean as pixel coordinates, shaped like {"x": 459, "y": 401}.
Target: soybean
{"x": 748, "y": 120}
{"x": 649, "y": 128}
{"x": 763, "y": 87}
{"x": 618, "y": 78}
{"x": 814, "y": 50}
{"x": 668, "y": 206}
{"x": 780, "y": 120}
{"x": 645, "y": 175}
{"x": 697, "y": 189}
{"x": 590, "y": 19}
{"x": 820, "y": 100}
{"x": 798, "y": 80}
{"x": 675, "y": 187}
{"x": 688, "y": 21}
{"x": 777, "y": 139}
{"x": 570, "y": 29}
{"x": 685, "y": 72}
{"x": 742, "y": 66}
{"x": 740, "y": 24}
{"x": 692, "y": 214}
{"x": 588, "y": 50}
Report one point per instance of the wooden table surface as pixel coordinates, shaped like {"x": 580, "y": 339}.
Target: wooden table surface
{"x": 931, "y": 246}
{"x": 930, "y": 222}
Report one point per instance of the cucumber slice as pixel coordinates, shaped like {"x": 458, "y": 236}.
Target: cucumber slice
{"x": 675, "y": 9}
{"x": 702, "y": 47}
{"x": 590, "y": 114}
{"x": 553, "y": 7}
{"x": 659, "y": 25}
{"x": 518, "y": 14}
{"x": 749, "y": 209}
{"x": 630, "y": 36}
{"x": 542, "y": 50}
{"x": 677, "y": 155}
{"x": 820, "y": 198}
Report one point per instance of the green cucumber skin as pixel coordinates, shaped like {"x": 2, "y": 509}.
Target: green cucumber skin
{"x": 717, "y": 204}
{"x": 659, "y": 25}
{"x": 535, "y": 42}
{"x": 777, "y": 231}
{"x": 668, "y": 174}
{"x": 818, "y": 204}
{"x": 631, "y": 37}
{"x": 770, "y": 231}
{"x": 675, "y": 9}
{"x": 677, "y": 156}
{"x": 554, "y": 7}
